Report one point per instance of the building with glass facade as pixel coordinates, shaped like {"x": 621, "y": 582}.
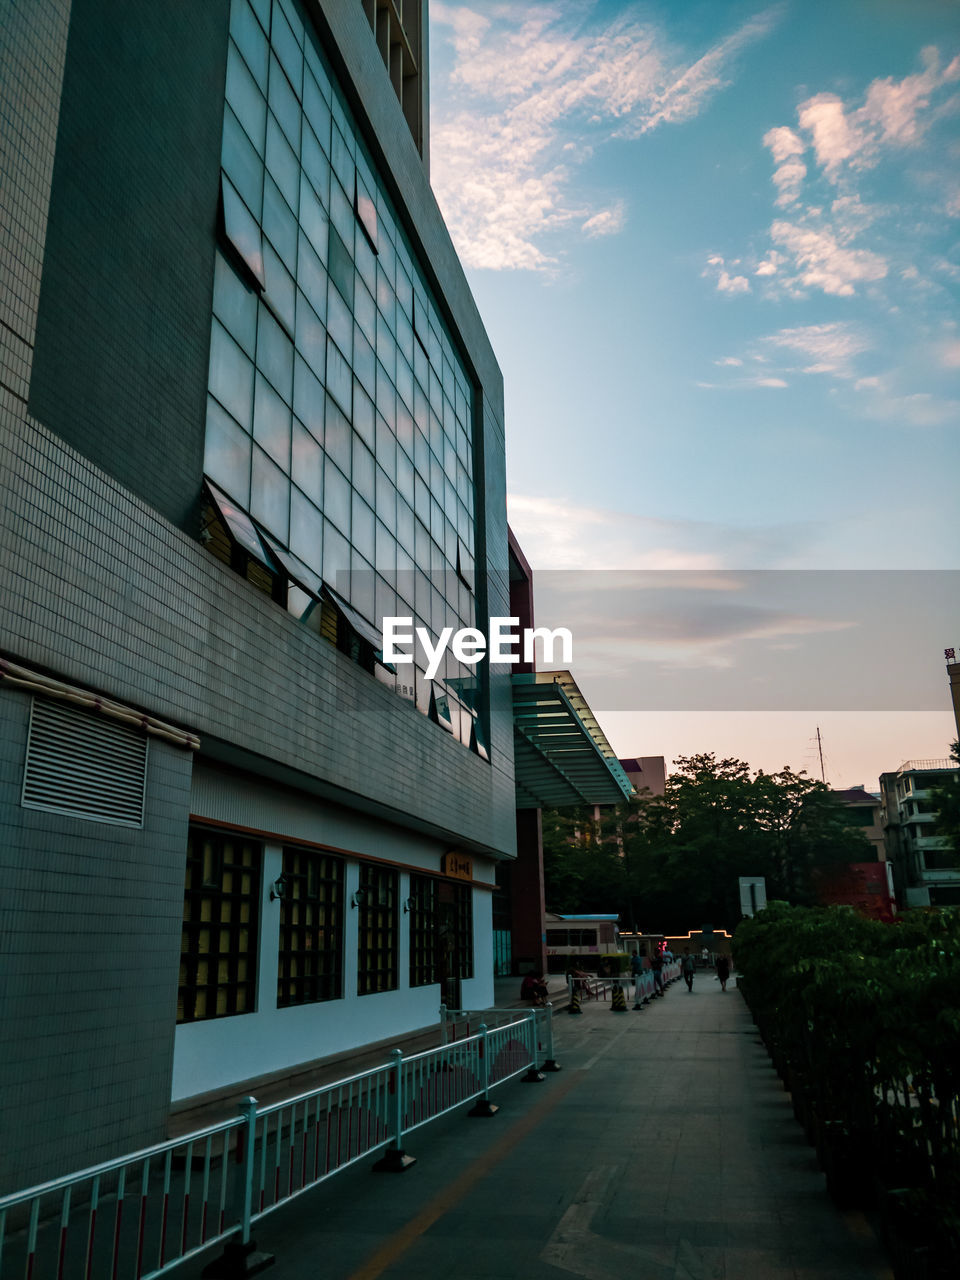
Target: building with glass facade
{"x": 247, "y": 410}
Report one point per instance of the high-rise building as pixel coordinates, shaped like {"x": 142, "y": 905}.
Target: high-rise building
{"x": 926, "y": 870}
{"x": 247, "y": 410}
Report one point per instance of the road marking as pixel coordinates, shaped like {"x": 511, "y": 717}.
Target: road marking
{"x": 401, "y": 1240}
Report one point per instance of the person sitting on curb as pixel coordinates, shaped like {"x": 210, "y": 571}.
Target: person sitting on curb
{"x": 534, "y": 988}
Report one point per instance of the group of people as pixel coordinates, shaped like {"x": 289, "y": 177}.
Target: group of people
{"x": 534, "y": 986}
{"x": 689, "y": 968}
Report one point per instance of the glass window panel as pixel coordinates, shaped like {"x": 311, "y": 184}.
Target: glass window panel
{"x": 421, "y": 367}
{"x": 365, "y": 312}
{"x": 341, "y": 215}
{"x": 241, "y": 161}
{"x": 281, "y": 292}
{"x": 231, "y": 376}
{"x": 449, "y": 542}
{"x": 436, "y": 522}
{"x": 226, "y": 453}
{"x": 386, "y": 349}
{"x": 366, "y": 262}
{"x": 340, "y": 265}
{"x": 405, "y": 429}
{"x": 339, "y": 377}
{"x": 405, "y": 524}
{"x": 450, "y": 462}
{"x": 336, "y": 498}
{"x": 435, "y": 434}
{"x": 385, "y": 597}
{"x": 306, "y": 530}
{"x": 317, "y": 112}
{"x": 339, "y": 322}
{"x": 284, "y": 44}
{"x": 363, "y": 414}
{"x": 385, "y": 499}
{"x": 338, "y": 438}
{"x": 421, "y": 453}
{"x": 284, "y": 104}
{"x": 386, "y": 551}
{"x": 279, "y": 224}
{"x": 449, "y": 503}
{"x": 312, "y": 277}
{"x": 362, "y": 585}
{"x": 341, "y": 157}
{"x": 336, "y": 557}
{"x": 242, "y": 229}
{"x": 436, "y": 477}
{"x": 437, "y": 565}
{"x": 306, "y": 464}
{"x": 311, "y": 337}
{"x": 405, "y": 293}
{"x": 420, "y": 411}
{"x": 364, "y": 361}
{"x": 386, "y": 449}
{"x": 244, "y": 96}
{"x": 275, "y": 354}
{"x": 386, "y": 298}
{"x": 308, "y": 398}
{"x": 405, "y": 474}
{"x": 405, "y": 576}
{"x": 386, "y": 398}
{"x": 366, "y": 211}
{"x": 421, "y": 549}
{"x": 317, "y": 67}
{"x": 362, "y": 534}
{"x": 282, "y": 163}
{"x": 405, "y": 345}
{"x": 313, "y": 220}
{"x": 271, "y": 423}
{"x": 364, "y": 470}
{"x": 250, "y": 39}
{"x": 270, "y": 495}
{"x": 235, "y": 304}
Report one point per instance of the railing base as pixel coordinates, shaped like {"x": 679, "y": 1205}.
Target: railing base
{"x": 394, "y": 1161}
{"x": 533, "y": 1076}
{"x": 551, "y": 1065}
{"x": 237, "y": 1261}
{"x": 483, "y": 1107}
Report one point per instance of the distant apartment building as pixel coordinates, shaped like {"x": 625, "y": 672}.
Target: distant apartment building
{"x": 647, "y": 773}
{"x": 926, "y": 871}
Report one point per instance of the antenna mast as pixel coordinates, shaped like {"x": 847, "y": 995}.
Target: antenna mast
{"x": 823, "y": 776}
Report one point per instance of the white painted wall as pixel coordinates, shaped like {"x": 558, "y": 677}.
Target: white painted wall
{"x": 223, "y": 1051}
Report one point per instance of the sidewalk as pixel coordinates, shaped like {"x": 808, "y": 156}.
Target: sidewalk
{"x": 665, "y": 1149}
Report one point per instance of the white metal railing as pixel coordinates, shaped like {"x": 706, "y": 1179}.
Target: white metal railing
{"x": 141, "y": 1215}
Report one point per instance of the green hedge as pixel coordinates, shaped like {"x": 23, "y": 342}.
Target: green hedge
{"x": 862, "y": 1019}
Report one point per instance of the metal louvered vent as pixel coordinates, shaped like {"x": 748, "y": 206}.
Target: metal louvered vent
{"x": 81, "y": 764}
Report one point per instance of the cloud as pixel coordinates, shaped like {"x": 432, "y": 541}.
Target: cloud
{"x": 823, "y": 263}
{"x": 733, "y": 361}
{"x": 607, "y": 222}
{"x": 557, "y": 534}
{"x": 532, "y": 88}
{"x": 726, "y": 283}
{"x": 766, "y": 382}
{"x": 950, "y": 355}
{"x": 787, "y": 147}
{"x": 832, "y": 347}
{"x": 921, "y": 409}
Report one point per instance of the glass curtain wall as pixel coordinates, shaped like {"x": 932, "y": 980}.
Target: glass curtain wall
{"x": 340, "y": 413}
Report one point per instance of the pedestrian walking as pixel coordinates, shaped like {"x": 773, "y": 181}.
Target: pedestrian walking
{"x": 723, "y": 971}
{"x": 689, "y": 968}
{"x": 656, "y": 964}
{"x": 636, "y": 972}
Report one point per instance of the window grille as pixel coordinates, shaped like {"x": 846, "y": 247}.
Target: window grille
{"x": 377, "y": 901}
{"x": 310, "y": 960}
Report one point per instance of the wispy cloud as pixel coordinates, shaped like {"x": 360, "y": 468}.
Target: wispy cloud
{"x": 822, "y": 262}
{"x": 716, "y": 269}
{"x": 830, "y": 348}
{"x": 535, "y": 87}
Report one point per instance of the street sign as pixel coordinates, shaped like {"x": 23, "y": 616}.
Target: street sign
{"x": 753, "y": 894}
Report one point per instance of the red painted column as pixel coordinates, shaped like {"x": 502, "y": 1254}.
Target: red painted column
{"x": 527, "y": 903}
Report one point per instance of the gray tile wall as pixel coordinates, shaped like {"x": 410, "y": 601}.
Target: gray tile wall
{"x": 89, "y": 948}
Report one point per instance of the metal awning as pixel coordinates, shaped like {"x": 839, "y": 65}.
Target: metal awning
{"x": 561, "y": 756}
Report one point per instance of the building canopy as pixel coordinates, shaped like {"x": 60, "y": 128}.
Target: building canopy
{"x": 561, "y": 755}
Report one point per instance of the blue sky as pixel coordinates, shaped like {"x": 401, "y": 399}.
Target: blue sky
{"x": 717, "y": 250}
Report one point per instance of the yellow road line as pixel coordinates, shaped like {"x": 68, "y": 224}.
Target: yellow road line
{"x": 401, "y": 1240}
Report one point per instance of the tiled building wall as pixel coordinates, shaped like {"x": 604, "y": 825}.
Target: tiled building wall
{"x": 89, "y": 947}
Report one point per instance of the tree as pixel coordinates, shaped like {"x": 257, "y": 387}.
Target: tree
{"x": 946, "y": 801}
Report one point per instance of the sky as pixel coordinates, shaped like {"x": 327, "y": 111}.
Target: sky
{"x": 716, "y": 247}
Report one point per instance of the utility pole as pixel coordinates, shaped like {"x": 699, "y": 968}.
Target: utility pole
{"x": 823, "y": 776}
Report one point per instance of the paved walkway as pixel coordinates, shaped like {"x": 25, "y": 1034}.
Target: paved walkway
{"x": 666, "y": 1149}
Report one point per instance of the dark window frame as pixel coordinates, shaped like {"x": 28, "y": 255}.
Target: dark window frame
{"x": 424, "y": 948}
{"x": 378, "y": 934}
{"x": 310, "y": 942}
{"x": 221, "y": 926}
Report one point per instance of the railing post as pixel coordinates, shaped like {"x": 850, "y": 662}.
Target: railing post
{"x": 443, "y": 1025}
{"x": 483, "y": 1106}
{"x": 534, "y": 1074}
{"x": 240, "y": 1257}
{"x": 395, "y": 1159}
{"x": 551, "y": 1063}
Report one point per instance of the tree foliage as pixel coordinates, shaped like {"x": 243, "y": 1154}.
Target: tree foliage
{"x": 671, "y": 863}
{"x": 946, "y": 802}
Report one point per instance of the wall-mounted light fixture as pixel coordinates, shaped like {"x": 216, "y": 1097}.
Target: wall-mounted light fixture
{"x": 279, "y": 887}
{"x": 359, "y": 898}
{"x": 408, "y": 905}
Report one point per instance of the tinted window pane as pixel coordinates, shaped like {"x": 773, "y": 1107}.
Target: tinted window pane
{"x": 282, "y": 164}
{"x": 226, "y": 454}
{"x": 275, "y": 354}
{"x": 242, "y": 230}
{"x": 270, "y": 495}
{"x": 231, "y": 376}
{"x": 235, "y": 304}
{"x": 245, "y": 98}
{"x": 306, "y": 530}
{"x": 271, "y": 423}
{"x": 306, "y": 467}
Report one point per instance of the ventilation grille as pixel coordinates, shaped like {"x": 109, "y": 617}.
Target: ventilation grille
{"x": 80, "y": 764}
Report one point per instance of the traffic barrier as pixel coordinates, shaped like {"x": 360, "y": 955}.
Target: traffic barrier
{"x": 618, "y": 1002}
